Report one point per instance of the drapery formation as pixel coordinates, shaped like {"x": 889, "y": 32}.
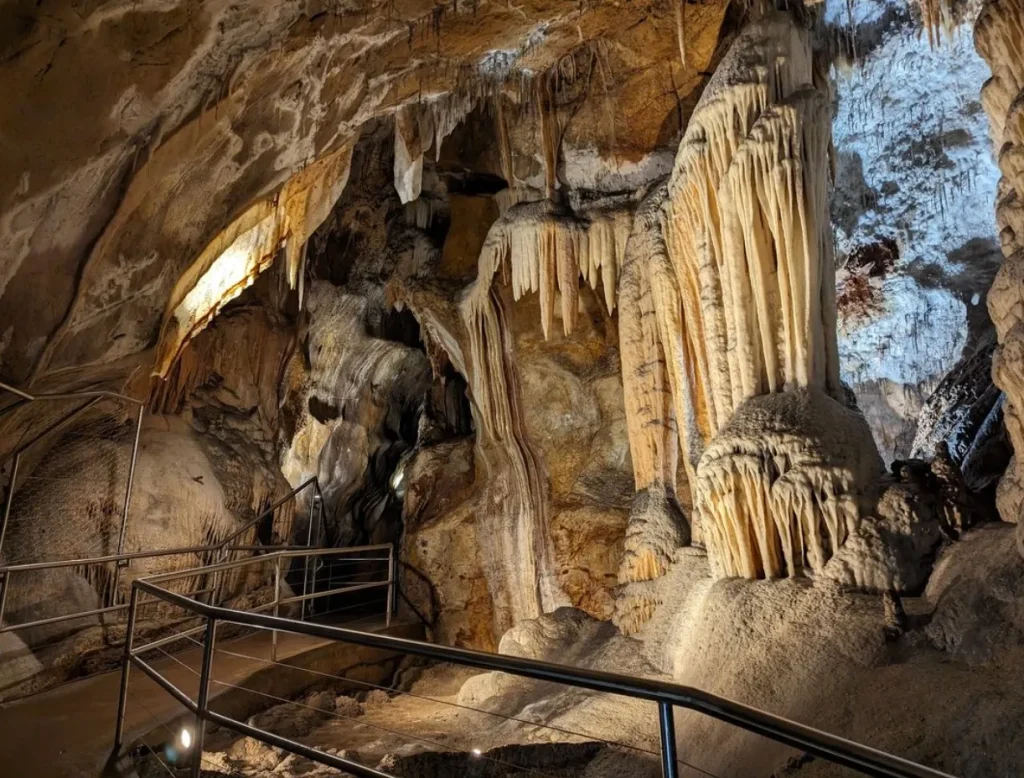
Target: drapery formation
{"x": 231, "y": 262}
{"x": 999, "y": 38}
{"x": 741, "y": 288}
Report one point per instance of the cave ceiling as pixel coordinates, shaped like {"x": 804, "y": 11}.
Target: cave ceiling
{"x": 134, "y": 133}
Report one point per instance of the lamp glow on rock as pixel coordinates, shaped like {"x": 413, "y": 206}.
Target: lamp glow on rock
{"x": 233, "y": 260}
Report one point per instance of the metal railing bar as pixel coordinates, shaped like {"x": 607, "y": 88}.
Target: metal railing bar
{"x": 70, "y": 616}
{"x": 69, "y": 395}
{"x": 269, "y": 511}
{"x": 342, "y": 590}
{"x": 449, "y": 703}
{"x": 35, "y": 566}
{"x": 166, "y": 685}
{"x": 56, "y": 619}
{"x": 292, "y": 746}
{"x": 186, "y": 635}
{"x": 273, "y": 554}
{"x": 787, "y": 732}
{"x": 104, "y": 559}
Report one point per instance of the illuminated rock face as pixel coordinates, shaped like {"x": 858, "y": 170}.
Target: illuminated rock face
{"x": 742, "y": 289}
{"x": 783, "y": 485}
{"x": 999, "y": 37}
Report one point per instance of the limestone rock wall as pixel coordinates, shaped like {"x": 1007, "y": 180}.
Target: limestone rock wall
{"x": 916, "y": 241}
{"x": 999, "y": 37}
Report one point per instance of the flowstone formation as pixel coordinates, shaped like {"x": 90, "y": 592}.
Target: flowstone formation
{"x": 545, "y": 296}
{"x": 999, "y": 37}
{"x": 743, "y": 293}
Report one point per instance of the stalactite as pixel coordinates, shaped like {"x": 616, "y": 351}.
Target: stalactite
{"x": 504, "y": 142}
{"x": 549, "y": 132}
{"x": 739, "y": 297}
{"x": 409, "y": 150}
{"x": 231, "y": 262}
{"x": 420, "y": 127}
{"x": 681, "y": 30}
{"x": 545, "y": 249}
{"x": 495, "y": 392}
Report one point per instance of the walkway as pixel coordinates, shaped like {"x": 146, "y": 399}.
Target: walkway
{"x": 67, "y": 732}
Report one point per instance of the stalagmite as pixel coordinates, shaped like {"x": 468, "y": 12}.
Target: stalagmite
{"x": 656, "y": 527}
{"x": 783, "y": 484}
{"x": 742, "y": 305}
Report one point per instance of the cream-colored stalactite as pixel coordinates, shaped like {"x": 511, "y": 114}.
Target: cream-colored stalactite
{"x": 656, "y": 525}
{"x": 546, "y": 250}
{"x": 744, "y": 302}
{"x": 999, "y": 38}
{"x": 522, "y": 570}
{"x": 409, "y": 151}
{"x": 231, "y": 262}
{"x": 534, "y": 248}
{"x": 420, "y": 127}
{"x": 770, "y": 61}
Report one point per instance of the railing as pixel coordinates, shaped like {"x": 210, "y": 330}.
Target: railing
{"x": 219, "y": 551}
{"x": 667, "y": 696}
{"x": 89, "y": 399}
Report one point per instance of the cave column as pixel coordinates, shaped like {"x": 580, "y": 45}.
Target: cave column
{"x": 999, "y": 39}
{"x": 740, "y": 303}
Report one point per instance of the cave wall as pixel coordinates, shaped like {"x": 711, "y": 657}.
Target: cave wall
{"x": 916, "y": 244}
{"x": 999, "y": 36}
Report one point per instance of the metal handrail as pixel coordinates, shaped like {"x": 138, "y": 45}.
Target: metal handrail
{"x": 277, "y": 555}
{"x": 68, "y": 395}
{"x": 221, "y": 549}
{"x": 270, "y": 511}
{"x": 869, "y": 761}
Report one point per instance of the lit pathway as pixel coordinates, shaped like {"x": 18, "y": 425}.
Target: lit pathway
{"x": 67, "y": 732}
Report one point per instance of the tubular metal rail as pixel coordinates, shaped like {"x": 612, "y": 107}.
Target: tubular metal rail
{"x": 837, "y": 750}
{"x": 89, "y": 400}
{"x": 219, "y": 551}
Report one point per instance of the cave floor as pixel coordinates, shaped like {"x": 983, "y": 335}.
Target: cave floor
{"x": 389, "y": 727}
{"x": 67, "y": 732}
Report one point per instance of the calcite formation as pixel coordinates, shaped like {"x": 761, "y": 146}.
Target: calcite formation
{"x": 232, "y": 261}
{"x": 742, "y": 288}
{"x": 783, "y": 485}
{"x": 999, "y": 37}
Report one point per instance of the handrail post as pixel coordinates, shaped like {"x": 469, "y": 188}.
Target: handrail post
{"x": 127, "y": 503}
{"x": 392, "y": 583}
{"x": 122, "y": 700}
{"x": 277, "y": 607}
{"x": 309, "y": 545}
{"x": 4, "y": 588}
{"x": 669, "y": 763}
{"x": 9, "y": 499}
{"x": 203, "y": 698}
